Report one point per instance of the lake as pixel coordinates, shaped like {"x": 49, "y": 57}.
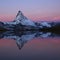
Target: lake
{"x": 29, "y": 46}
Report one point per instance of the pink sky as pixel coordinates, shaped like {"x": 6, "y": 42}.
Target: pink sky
{"x": 36, "y": 10}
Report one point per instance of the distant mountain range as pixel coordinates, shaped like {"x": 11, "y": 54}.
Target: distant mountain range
{"x": 23, "y": 23}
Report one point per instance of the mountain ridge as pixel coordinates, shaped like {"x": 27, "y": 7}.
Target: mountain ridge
{"x": 23, "y": 23}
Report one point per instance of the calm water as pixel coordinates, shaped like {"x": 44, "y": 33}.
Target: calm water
{"x": 29, "y": 46}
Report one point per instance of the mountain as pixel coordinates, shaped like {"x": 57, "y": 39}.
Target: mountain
{"x": 19, "y": 23}
{"x": 23, "y": 23}
{"x": 21, "y": 19}
{"x": 43, "y": 24}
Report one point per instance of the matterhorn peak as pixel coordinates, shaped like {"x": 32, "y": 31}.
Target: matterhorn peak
{"x": 19, "y": 13}
{"x": 21, "y": 19}
{"x": 20, "y": 16}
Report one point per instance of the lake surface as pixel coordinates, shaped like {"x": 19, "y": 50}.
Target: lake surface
{"x": 29, "y": 46}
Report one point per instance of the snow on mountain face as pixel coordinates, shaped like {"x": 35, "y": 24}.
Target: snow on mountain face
{"x": 20, "y": 18}
{"x": 44, "y": 24}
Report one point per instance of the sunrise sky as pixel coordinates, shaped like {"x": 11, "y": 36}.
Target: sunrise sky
{"x": 36, "y": 10}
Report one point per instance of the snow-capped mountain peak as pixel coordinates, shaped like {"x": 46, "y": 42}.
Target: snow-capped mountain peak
{"x": 20, "y": 16}
{"x": 19, "y": 13}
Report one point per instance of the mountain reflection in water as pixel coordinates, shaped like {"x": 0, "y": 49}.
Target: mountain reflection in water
{"x": 23, "y": 37}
